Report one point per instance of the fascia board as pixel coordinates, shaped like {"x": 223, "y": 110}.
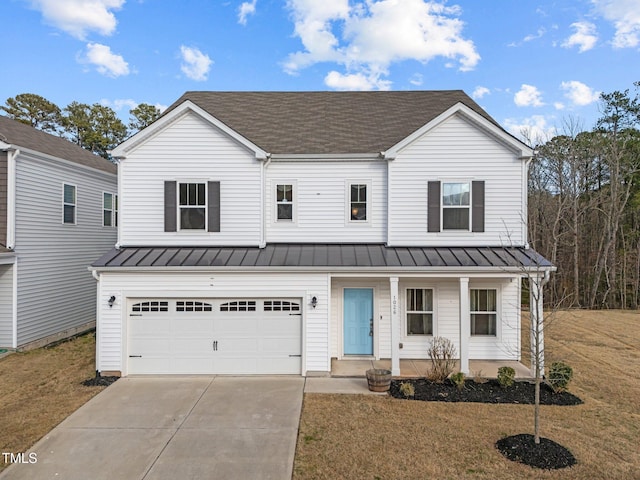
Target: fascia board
{"x": 513, "y": 143}
{"x": 187, "y": 106}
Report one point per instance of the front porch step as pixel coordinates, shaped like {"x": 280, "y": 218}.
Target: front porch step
{"x": 419, "y": 368}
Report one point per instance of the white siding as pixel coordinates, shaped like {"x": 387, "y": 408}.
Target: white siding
{"x": 112, "y": 323}
{"x": 456, "y": 151}
{"x": 56, "y": 291}
{"x": 321, "y": 198}
{"x": 190, "y": 149}
{"x": 6, "y": 305}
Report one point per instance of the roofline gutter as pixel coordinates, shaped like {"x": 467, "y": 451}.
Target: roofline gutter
{"x": 398, "y": 271}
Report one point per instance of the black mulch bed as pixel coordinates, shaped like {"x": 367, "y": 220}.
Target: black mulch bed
{"x": 487, "y": 392}
{"x": 99, "y": 381}
{"x": 547, "y": 454}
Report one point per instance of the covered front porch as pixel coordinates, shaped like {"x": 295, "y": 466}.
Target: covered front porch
{"x": 410, "y": 368}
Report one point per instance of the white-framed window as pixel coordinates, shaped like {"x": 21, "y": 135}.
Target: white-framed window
{"x": 109, "y": 209}
{"x": 69, "y": 204}
{"x": 192, "y": 206}
{"x": 193, "y": 306}
{"x": 456, "y": 206}
{"x": 419, "y": 311}
{"x": 285, "y": 202}
{"x": 358, "y": 204}
{"x": 484, "y": 311}
{"x": 239, "y": 306}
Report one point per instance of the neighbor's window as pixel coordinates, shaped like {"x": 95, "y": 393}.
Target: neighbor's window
{"x": 193, "y": 206}
{"x": 284, "y": 201}
{"x": 69, "y": 204}
{"x": 419, "y": 311}
{"x": 358, "y": 202}
{"x": 109, "y": 210}
{"x": 484, "y": 312}
{"x": 455, "y": 206}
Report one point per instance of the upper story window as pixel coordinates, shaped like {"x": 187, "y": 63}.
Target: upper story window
{"x": 109, "y": 209}
{"x": 193, "y": 206}
{"x": 484, "y": 311}
{"x": 419, "y": 309}
{"x": 69, "y": 204}
{"x": 358, "y": 202}
{"x": 284, "y": 201}
{"x": 456, "y": 207}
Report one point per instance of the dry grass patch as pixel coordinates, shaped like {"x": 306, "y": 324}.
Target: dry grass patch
{"x": 363, "y": 437}
{"x": 40, "y": 388}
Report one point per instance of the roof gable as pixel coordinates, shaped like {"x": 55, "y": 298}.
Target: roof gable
{"x": 186, "y": 107}
{"x": 25, "y": 137}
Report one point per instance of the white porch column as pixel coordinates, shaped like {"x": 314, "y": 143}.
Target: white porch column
{"x": 395, "y": 326}
{"x": 536, "y": 312}
{"x": 465, "y": 325}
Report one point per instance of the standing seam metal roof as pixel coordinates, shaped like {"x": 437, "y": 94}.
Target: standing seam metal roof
{"x": 323, "y": 255}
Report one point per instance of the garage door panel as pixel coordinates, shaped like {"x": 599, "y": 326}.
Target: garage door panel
{"x": 211, "y": 336}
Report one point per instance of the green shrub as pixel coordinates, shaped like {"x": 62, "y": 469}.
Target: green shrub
{"x": 443, "y": 356}
{"x": 506, "y": 376}
{"x": 458, "y": 379}
{"x": 560, "y": 374}
{"x": 407, "y": 389}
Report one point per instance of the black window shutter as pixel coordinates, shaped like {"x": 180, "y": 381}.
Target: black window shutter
{"x": 433, "y": 207}
{"x": 170, "y": 207}
{"x": 213, "y": 202}
{"x": 477, "y": 206}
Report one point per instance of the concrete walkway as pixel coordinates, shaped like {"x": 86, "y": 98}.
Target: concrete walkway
{"x": 175, "y": 428}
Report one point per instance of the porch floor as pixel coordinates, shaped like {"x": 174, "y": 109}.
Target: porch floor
{"x": 419, "y": 368}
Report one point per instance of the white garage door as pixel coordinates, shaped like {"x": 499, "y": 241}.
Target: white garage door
{"x": 215, "y": 336}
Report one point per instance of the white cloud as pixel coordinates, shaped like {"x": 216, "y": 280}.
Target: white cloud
{"x": 355, "y": 81}
{"x": 579, "y": 93}
{"x": 558, "y": 105}
{"x": 246, "y": 9}
{"x": 106, "y": 62}
{"x": 366, "y": 37}
{"x": 416, "y": 79}
{"x": 584, "y": 38}
{"x": 625, "y": 16}
{"x": 195, "y": 64}
{"x": 533, "y": 130}
{"x": 528, "y": 96}
{"x": 78, "y": 17}
{"x": 480, "y": 92}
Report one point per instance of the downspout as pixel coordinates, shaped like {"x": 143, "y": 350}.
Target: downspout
{"x": 263, "y": 189}
{"x": 96, "y": 275}
{"x": 525, "y": 202}
{"x": 12, "y": 154}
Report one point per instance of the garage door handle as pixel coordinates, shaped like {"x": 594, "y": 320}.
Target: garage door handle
{"x": 295, "y": 355}
{"x": 215, "y": 345}
{"x": 295, "y": 314}
{"x": 135, "y": 356}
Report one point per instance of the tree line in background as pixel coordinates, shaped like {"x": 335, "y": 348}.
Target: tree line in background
{"x": 584, "y": 207}
{"x": 95, "y": 127}
{"x": 584, "y": 190}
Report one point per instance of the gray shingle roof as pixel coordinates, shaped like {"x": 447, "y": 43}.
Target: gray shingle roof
{"x": 325, "y": 255}
{"x": 25, "y": 136}
{"x": 327, "y": 122}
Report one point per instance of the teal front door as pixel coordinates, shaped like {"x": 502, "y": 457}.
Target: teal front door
{"x": 358, "y": 321}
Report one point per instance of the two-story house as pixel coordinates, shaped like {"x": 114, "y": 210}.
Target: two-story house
{"x": 58, "y": 211}
{"x": 270, "y": 232}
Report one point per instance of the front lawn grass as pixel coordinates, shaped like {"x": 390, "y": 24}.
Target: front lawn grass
{"x": 40, "y": 388}
{"x": 369, "y": 437}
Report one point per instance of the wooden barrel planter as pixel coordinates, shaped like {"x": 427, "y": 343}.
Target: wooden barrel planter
{"x": 379, "y": 379}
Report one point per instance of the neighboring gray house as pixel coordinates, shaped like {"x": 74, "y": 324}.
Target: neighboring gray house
{"x": 58, "y": 211}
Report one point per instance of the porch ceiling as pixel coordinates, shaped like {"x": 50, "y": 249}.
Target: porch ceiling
{"x": 292, "y": 255}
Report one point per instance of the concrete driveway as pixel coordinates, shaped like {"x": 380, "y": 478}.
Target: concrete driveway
{"x": 175, "y": 428}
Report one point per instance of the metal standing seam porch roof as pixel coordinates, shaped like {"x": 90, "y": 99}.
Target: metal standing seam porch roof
{"x": 301, "y": 255}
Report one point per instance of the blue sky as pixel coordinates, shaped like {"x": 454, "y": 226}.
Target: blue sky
{"x": 533, "y": 64}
